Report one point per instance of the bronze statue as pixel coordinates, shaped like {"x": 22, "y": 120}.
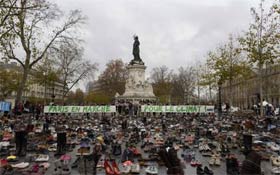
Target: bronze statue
{"x": 136, "y": 52}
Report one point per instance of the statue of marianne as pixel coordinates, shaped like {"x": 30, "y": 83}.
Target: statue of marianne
{"x": 136, "y": 51}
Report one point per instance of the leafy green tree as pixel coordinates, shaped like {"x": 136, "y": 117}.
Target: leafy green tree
{"x": 79, "y": 96}
{"x": 9, "y": 82}
{"x": 225, "y": 64}
{"x": 98, "y": 97}
{"x": 261, "y": 41}
{"x": 76, "y": 98}
{"x": 46, "y": 75}
{"x": 70, "y": 98}
{"x": 112, "y": 79}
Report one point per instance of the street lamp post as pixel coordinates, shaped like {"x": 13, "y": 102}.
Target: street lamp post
{"x": 198, "y": 86}
{"x": 53, "y": 95}
{"x": 219, "y": 99}
{"x": 45, "y": 87}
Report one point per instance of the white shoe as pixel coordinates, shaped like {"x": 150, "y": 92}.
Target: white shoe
{"x": 218, "y": 161}
{"x": 152, "y": 170}
{"x": 135, "y": 168}
{"x": 21, "y": 165}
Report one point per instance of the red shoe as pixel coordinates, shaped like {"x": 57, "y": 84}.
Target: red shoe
{"x": 193, "y": 163}
{"x": 3, "y": 162}
{"x": 198, "y": 163}
{"x": 116, "y": 168}
{"x": 108, "y": 168}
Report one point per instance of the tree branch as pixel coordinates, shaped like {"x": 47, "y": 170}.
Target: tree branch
{"x": 76, "y": 81}
{"x": 72, "y": 21}
{"x": 10, "y": 51}
{"x": 14, "y": 57}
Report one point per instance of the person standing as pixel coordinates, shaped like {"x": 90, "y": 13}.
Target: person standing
{"x": 20, "y": 137}
{"x": 96, "y": 154}
{"x": 61, "y": 139}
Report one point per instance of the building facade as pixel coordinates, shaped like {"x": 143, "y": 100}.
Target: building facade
{"x": 93, "y": 86}
{"x": 42, "y": 92}
{"x": 245, "y": 92}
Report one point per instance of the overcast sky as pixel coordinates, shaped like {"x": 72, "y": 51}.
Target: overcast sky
{"x": 171, "y": 32}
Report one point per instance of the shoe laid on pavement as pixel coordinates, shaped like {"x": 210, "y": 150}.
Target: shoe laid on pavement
{"x": 152, "y": 170}
{"x": 42, "y": 158}
{"x": 218, "y": 161}
{"x": 21, "y": 165}
{"x": 125, "y": 169}
{"x": 199, "y": 170}
{"x": 45, "y": 165}
{"x": 207, "y": 171}
{"x": 212, "y": 161}
{"x": 135, "y": 168}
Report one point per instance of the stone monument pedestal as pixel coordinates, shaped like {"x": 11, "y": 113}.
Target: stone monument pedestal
{"x": 137, "y": 88}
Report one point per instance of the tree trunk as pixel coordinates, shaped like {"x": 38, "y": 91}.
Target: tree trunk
{"x": 261, "y": 88}
{"x": 198, "y": 94}
{"x": 230, "y": 92}
{"x": 220, "y": 100}
{"x": 64, "y": 92}
{"x": 210, "y": 93}
{"x": 22, "y": 84}
{"x": 45, "y": 91}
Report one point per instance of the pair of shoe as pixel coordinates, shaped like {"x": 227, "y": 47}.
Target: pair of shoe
{"x": 195, "y": 163}
{"x": 215, "y": 160}
{"x": 111, "y": 170}
{"x": 63, "y": 170}
{"x": 135, "y": 168}
{"x": 45, "y": 165}
{"x": 152, "y": 170}
{"x": 199, "y": 170}
{"x": 205, "y": 171}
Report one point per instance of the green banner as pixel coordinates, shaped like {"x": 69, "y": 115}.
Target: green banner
{"x": 79, "y": 109}
{"x": 178, "y": 109}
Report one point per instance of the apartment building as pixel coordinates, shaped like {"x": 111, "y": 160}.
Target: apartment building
{"x": 44, "y": 92}
{"x": 245, "y": 92}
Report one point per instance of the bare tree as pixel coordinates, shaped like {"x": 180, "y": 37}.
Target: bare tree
{"x": 71, "y": 65}
{"x": 183, "y": 84}
{"x": 161, "y": 78}
{"x": 36, "y": 26}
{"x": 207, "y": 81}
{"x": 161, "y": 74}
